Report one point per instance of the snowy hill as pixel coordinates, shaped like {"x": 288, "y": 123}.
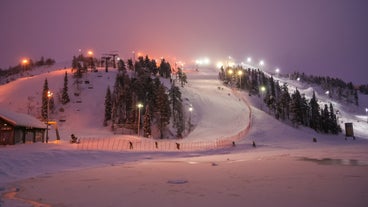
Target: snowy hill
{"x": 218, "y": 112}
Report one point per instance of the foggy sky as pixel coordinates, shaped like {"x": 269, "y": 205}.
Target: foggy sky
{"x": 321, "y": 37}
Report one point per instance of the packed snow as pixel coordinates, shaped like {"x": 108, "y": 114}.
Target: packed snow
{"x": 284, "y": 168}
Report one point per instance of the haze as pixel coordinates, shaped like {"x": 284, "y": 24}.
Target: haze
{"x": 324, "y": 37}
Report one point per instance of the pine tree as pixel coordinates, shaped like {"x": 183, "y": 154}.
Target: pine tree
{"x": 75, "y": 63}
{"x": 44, "y": 100}
{"x": 65, "y": 97}
{"x": 177, "y": 109}
{"x": 285, "y": 102}
{"x": 295, "y": 108}
{"x": 163, "y": 109}
{"x": 356, "y": 98}
{"x": 315, "y": 116}
{"x": 334, "y": 126}
{"x": 147, "y": 122}
{"x": 325, "y": 119}
{"x": 108, "y": 106}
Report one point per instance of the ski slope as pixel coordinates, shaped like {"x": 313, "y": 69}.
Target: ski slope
{"x": 282, "y": 170}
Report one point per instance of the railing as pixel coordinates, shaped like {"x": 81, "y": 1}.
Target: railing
{"x": 131, "y": 143}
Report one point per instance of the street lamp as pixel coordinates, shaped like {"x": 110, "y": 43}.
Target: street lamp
{"x": 277, "y": 72}
{"x": 230, "y": 71}
{"x": 261, "y": 63}
{"x": 90, "y": 55}
{"x": 190, "y": 117}
{"x": 49, "y": 95}
{"x": 24, "y": 62}
{"x": 139, "y": 115}
{"x": 240, "y": 73}
{"x": 249, "y": 59}
{"x": 263, "y": 90}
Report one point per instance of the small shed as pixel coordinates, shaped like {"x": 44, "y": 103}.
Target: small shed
{"x": 20, "y": 128}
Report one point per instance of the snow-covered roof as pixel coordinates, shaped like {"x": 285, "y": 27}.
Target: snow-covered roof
{"x": 19, "y": 119}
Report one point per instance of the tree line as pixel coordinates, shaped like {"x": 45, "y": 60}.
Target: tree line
{"x": 23, "y": 67}
{"x": 337, "y": 88}
{"x": 293, "y": 108}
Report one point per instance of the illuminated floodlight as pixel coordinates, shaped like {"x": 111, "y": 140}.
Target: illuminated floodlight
{"x": 90, "y": 53}
{"x": 277, "y": 70}
{"x": 203, "y": 61}
{"x": 298, "y": 79}
{"x": 327, "y": 92}
{"x": 249, "y": 59}
{"x": 261, "y": 63}
{"x": 231, "y": 64}
{"x": 206, "y": 61}
{"x": 263, "y": 89}
{"x": 24, "y": 61}
{"x": 219, "y": 64}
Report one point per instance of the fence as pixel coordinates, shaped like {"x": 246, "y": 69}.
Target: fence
{"x": 131, "y": 143}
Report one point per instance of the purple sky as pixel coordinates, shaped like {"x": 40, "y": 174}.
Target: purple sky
{"x": 321, "y": 37}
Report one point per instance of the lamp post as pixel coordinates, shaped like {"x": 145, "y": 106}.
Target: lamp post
{"x": 190, "y": 117}
{"x": 24, "y": 62}
{"x": 366, "y": 113}
{"x": 263, "y": 90}
{"x": 49, "y": 95}
{"x": 139, "y": 115}
{"x": 277, "y": 72}
{"x": 240, "y": 73}
{"x": 90, "y": 55}
{"x": 261, "y": 63}
{"x": 249, "y": 59}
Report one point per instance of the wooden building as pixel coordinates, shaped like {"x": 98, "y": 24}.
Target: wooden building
{"x": 20, "y": 128}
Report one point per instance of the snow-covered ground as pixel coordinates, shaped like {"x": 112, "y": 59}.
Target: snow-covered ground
{"x": 285, "y": 169}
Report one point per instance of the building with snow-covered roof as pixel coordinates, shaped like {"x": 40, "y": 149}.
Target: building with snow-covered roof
{"x": 20, "y": 128}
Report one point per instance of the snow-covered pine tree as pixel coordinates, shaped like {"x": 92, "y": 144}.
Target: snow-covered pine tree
{"x": 285, "y": 102}
{"x": 164, "y": 112}
{"x": 108, "y": 106}
{"x": 315, "y": 116}
{"x": 44, "y": 100}
{"x": 177, "y": 109}
{"x": 295, "y": 108}
{"x": 147, "y": 122}
{"x": 65, "y": 96}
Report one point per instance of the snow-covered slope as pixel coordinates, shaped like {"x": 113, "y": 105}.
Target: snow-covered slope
{"x": 217, "y": 112}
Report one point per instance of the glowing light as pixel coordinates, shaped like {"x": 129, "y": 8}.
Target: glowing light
{"x": 240, "y": 72}
{"x": 230, "y": 71}
{"x": 219, "y": 64}
{"x": 203, "y": 61}
{"x": 261, "y": 63}
{"x": 277, "y": 70}
{"x": 298, "y": 79}
{"x": 249, "y": 59}
{"x": 263, "y": 89}
{"x": 49, "y": 94}
{"x": 90, "y": 53}
{"x": 139, "y": 105}
{"x": 25, "y": 61}
{"x": 231, "y": 64}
